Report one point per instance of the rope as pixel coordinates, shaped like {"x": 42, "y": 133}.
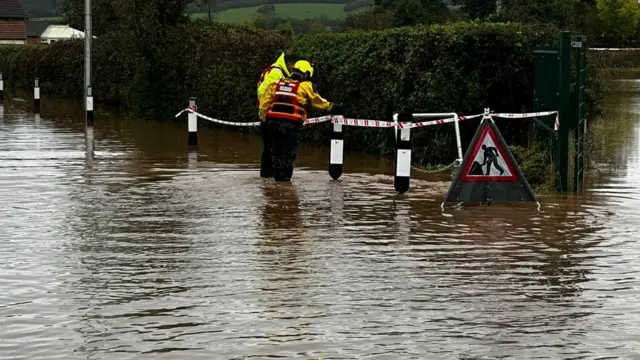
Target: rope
{"x": 434, "y": 171}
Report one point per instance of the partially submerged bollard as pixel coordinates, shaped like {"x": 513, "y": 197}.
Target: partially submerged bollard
{"x": 89, "y": 108}
{"x": 403, "y": 154}
{"x": 336, "y": 156}
{"x": 36, "y": 95}
{"x": 193, "y": 123}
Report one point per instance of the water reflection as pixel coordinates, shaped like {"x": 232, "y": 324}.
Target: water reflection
{"x": 149, "y": 249}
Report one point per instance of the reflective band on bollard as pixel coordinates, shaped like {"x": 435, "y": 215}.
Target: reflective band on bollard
{"x": 1, "y": 88}
{"x": 193, "y": 123}
{"x": 89, "y": 106}
{"x": 36, "y": 95}
{"x": 336, "y": 156}
{"x": 403, "y": 160}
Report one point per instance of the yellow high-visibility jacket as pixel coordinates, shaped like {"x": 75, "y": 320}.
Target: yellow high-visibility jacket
{"x": 278, "y": 71}
{"x": 306, "y": 95}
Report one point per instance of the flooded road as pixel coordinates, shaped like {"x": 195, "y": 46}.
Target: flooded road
{"x": 145, "y": 251}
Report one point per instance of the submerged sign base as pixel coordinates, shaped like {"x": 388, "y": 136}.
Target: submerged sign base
{"x": 489, "y": 172}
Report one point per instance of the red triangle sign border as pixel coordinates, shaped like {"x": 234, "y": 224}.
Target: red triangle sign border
{"x": 488, "y": 131}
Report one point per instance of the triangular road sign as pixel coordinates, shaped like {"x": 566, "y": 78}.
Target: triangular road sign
{"x": 488, "y": 172}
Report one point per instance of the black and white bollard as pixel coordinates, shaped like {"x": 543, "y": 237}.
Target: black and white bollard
{"x": 89, "y": 108}
{"x": 193, "y": 123}
{"x": 403, "y": 155}
{"x": 36, "y": 95}
{"x": 336, "y": 156}
{"x": 1, "y": 88}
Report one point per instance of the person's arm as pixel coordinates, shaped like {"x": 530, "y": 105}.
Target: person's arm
{"x": 315, "y": 99}
{"x": 270, "y": 78}
{"x": 266, "y": 100}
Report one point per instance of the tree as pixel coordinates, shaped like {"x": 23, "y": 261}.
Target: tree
{"x": 477, "y": 9}
{"x": 208, "y": 4}
{"x": 145, "y": 16}
{"x": 267, "y": 9}
{"x": 412, "y": 12}
{"x": 556, "y": 11}
{"x": 619, "y": 17}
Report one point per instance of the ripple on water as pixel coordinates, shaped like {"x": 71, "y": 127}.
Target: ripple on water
{"x": 148, "y": 251}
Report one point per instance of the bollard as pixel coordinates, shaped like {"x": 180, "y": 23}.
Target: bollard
{"x": 89, "y": 108}
{"x": 336, "y": 156}
{"x": 403, "y": 155}
{"x": 1, "y": 88}
{"x": 36, "y": 95}
{"x": 193, "y": 123}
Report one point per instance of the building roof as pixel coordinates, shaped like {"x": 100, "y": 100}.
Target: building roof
{"x": 11, "y": 9}
{"x": 13, "y": 30}
{"x": 35, "y": 28}
{"x": 61, "y": 32}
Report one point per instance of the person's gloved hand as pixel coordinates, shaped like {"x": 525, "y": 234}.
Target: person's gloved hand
{"x": 337, "y": 109}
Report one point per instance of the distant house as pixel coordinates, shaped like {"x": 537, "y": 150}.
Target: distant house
{"x": 12, "y": 23}
{"x": 56, "y": 33}
{"x": 35, "y": 29}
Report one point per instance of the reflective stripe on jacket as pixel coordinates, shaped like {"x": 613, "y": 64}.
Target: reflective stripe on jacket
{"x": 306, "y": 97}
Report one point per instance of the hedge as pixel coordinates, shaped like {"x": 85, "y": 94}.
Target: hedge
{"x": 461, "y": 67}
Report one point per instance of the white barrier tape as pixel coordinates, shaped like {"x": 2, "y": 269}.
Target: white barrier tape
{"x": 525, "y": 115}
{"x": 257, "y": 123}
{"x": 232, "y": 123}
{"x": 180, "y": 113}
{"x": 364, "y": 122}
{"x": 556, "y": 123}
{"x": 436, "y": 122}
{"x": 383, "y": 124}
{"x": 319, "y": 119}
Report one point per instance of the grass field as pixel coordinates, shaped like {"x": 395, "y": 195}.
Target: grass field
{"x": 246, "y": 15}
{"x": 295, "y": 11}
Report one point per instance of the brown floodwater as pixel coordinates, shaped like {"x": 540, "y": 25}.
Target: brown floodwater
{"x": 144, "y": 250}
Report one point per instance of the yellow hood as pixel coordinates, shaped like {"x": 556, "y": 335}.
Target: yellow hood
{"x": 280, "y": 62}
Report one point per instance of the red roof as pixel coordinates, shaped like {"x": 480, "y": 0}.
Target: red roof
{"x": 13, "y": 30}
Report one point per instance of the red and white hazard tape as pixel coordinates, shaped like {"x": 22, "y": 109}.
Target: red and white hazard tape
{"x": 336, "y": 119}
{"x": 319, "y": 119}
{"x": 556, "y": 123}
{"x": 363, "y": 122}
{"x": 232, "y": 123}
{"x": 256, "y": 123}
{"x": 436, "y": 122}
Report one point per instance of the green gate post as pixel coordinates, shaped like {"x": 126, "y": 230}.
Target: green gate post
{"x": 565, "y": 97}
{"x": 580, "y": 128}
{"x": 546, "y": 93}
{"x": 562, "y": 159}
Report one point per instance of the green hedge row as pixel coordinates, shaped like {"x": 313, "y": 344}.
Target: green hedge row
{"x": 461, "y": 67}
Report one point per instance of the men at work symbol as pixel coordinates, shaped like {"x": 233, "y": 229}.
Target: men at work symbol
{"x": 491, "y": 157}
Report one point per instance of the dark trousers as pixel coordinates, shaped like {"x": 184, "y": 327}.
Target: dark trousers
{"x": 284, "y": 138}
{"x": 266, "y": 170}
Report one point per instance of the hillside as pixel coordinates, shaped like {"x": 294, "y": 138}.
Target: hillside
{"x": 294, "y": 11}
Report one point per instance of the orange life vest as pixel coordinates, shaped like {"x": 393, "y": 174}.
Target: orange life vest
{"x": 285, "y": 102}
